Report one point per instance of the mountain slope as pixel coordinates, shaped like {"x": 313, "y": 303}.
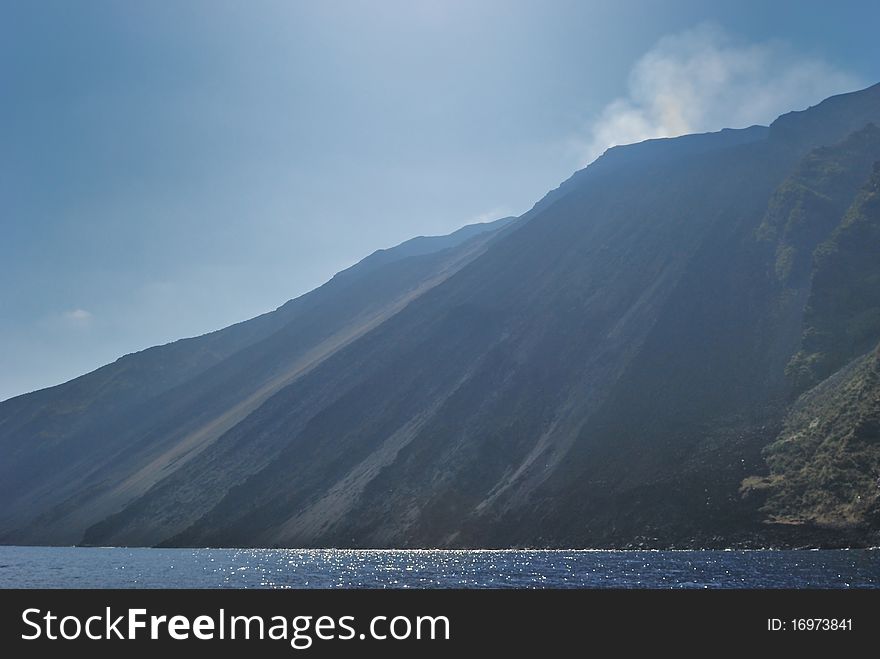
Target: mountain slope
{"x": 77, "y": 452}
{"x": 493, "y": 396}
{"x": 604, "y": 371}
{"x": 494, "y": 326}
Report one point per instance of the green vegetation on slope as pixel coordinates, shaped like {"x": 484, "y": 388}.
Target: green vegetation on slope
{"x": 842, "y": 316}
{"x": 808, "y": 206}
{"x": 825, "y": 466}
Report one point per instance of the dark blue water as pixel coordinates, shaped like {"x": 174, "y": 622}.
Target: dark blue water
{"x": 75, "y": 567}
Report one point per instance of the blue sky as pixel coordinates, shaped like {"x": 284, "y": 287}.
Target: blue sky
{"x": 168, "y": 168}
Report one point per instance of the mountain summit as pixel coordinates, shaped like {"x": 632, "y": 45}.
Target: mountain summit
{"x": 676, "y": 347}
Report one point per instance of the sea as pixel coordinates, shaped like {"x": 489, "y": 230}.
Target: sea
{"x": 116, "y": 567}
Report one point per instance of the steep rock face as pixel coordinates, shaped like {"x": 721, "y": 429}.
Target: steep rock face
{"x": 604, "y": 371}
{"x": 825, "y": 464}
{"x": 808, "y": 206}
{"x": 842, "y": 316}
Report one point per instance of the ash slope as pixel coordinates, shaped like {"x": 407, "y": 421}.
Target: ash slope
{"x": 604, "y": 372}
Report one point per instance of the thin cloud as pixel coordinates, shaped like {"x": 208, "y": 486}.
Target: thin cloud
{"x": 704, "y": 79}
{"x": 78, "y": 317}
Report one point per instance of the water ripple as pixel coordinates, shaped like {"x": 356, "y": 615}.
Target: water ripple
{"x": 60, "y": 567}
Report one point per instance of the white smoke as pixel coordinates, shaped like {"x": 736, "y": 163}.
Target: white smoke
{"x": 704, "y": 79}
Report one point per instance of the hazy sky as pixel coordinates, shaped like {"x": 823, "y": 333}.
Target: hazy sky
{"x": 168, "y": 168}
